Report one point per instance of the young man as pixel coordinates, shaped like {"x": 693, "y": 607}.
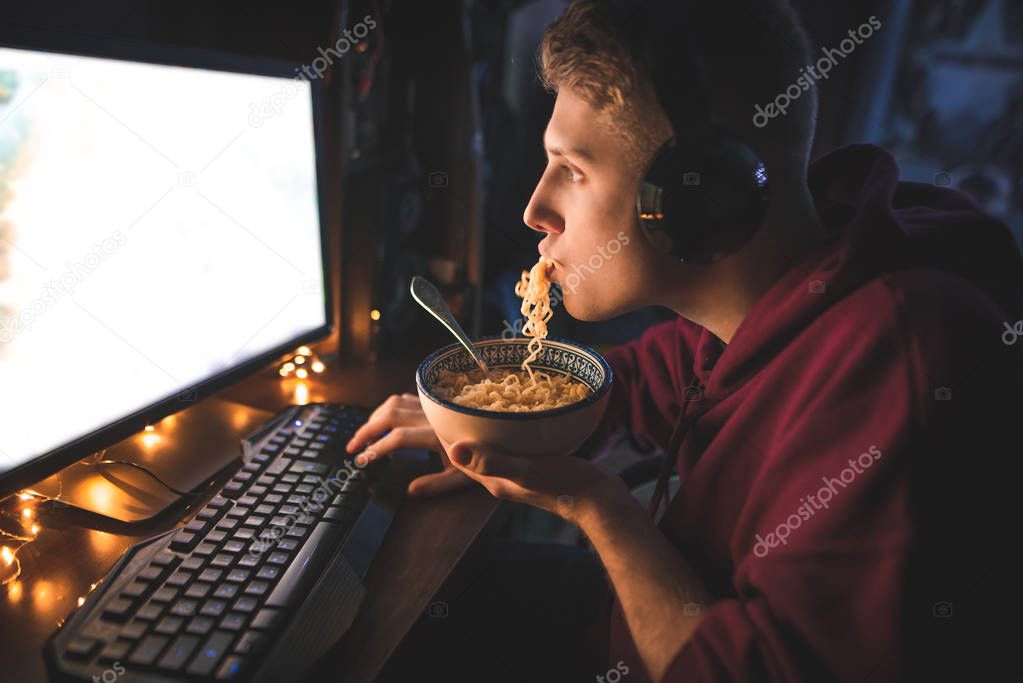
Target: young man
{"x": 846, "y": 390}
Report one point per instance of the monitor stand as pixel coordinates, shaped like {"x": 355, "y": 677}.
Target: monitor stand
{"x": 187, "y": 450}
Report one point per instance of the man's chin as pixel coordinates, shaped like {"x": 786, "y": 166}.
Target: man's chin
{"x": 587, "y": 314}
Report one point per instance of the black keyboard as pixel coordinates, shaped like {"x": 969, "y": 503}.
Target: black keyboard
{"x": 258, "y": 584}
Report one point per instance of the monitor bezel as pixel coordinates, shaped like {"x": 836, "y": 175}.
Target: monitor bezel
{"x": 86, "y": 45}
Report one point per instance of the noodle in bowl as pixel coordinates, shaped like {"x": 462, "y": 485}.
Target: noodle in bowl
{"x": 558, "y": 413}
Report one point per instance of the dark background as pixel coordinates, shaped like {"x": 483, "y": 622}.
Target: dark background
{"x": 438, "y": 121}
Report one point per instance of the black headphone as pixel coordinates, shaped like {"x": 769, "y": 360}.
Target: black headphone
{"x": 705, "y": 192}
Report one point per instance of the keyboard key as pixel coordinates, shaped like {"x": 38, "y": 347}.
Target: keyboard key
{"x": 207, "y": 514}
{"x": 257, "y": 588}
{"x": 234, "y": 547}
{"x": 227, "y": 524}
{"x": 118, "y": 609}
{"x": 179, "y": 578}
{"x": 210, "y": 653}
{"x": 233, "y": 622}
{"x": 248, "y": 560}
{"x": 151, "y": 573}
{"x": 178, "y": 653}
{"x": 287, "y": 544}
{"x": 254, "y": 520}
{"x": 81, "y": 648}
{"x": 213, "y": 608}
{"x": 184, "y": 608}
{"x": 225, "y": 590}
{"x": 114, "y": 651}
{"x": 273, "y": 498}
{"x": 168, "y": 626}
{"x": 204, "y": 549}
{"x": 297, "y": 531}
{"x": 196, "y": 526}
{"x": 288, "y": 509}
{"x": 239, "y": 511}
{"x": 306, "y": 467}
{"x": 266, "y": 618}
{"x": 165, "y": 594}
{"x": 257, "y": 490}
{"x": 232, "y": 489}
{"x": 211, "y": 575}
{"x": 222, "y": 560}
{"x": 264, "y": 509}
{"x": 244, "y": 533}
{"x": 198, "y": 590}
{"x": 238, "y": 575}
{"x": 289, "y": 586}
{"x": 216, "y": 536}
{"x": 277, "y": 558}
{"x": 278, "y": 466}
{"x": 249, "y": 642}
{"x": 248, "y": 501}
{"x": 149, "y": 611}
{"x": 246, "y": 604}
{"x": 134, "y": 590}
{"x": 268, "y": 572}
{"x": 134, "y": 630}
{"x": 290, "y": 478}
{"x": 219, "y": 502}
{"x": 200, "y": 625}
{"x": 191, "y": 563}
{"x": 148, "y": 650}
{"x": 230, "y": 669}
{"x": 164, "y": 559}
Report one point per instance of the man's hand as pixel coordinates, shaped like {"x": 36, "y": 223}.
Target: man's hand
{"x": 567, "y": 486}
{"x": 403, "y": 416}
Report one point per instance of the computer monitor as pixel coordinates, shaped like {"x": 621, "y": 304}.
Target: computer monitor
{"x": 161, "y": 235}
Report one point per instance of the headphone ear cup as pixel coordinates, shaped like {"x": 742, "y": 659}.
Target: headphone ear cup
{"x": 703, "y": 200}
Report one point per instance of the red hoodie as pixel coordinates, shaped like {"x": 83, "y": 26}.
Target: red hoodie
{"x": 842, "y": 460}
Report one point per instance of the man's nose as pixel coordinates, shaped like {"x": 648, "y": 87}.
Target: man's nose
{"x": 540, "y": 214}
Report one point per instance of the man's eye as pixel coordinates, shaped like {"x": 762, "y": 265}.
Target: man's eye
{"x": 572, "y": 175}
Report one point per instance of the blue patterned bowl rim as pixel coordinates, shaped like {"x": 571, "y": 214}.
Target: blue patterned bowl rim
{"x": 531, "y": 415}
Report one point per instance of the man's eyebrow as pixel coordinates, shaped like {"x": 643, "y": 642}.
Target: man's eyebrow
{"x": 581, "y": 152}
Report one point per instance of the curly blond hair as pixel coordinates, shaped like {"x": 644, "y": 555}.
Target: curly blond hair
{"x": 751, "y": 50}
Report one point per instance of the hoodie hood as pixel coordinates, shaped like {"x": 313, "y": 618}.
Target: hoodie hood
{"x": 883, "y": 226}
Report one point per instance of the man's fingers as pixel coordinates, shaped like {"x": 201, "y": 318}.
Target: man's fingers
{"x": 383, "y": 419}
{"x": 437, "y": 483}
{"x": 485, "y": 462}
{"x": 400, "y": 437}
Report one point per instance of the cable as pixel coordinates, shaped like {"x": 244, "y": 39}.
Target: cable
{"x": 142, "y": 469}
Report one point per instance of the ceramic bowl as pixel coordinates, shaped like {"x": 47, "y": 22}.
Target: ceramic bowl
{"x": 555, "y": 431}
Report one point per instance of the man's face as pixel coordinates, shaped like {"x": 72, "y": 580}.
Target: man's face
{"x": 585, "y": 203}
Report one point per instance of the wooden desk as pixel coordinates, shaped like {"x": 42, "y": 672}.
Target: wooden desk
{"x": 61, "y": 564}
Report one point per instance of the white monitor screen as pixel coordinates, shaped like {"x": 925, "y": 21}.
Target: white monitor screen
{"x": 159, "y": 225}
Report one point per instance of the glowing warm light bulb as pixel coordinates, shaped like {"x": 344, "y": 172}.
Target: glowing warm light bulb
{"x": 81, "y": 601}
{"x": 301, "y": 373}
{"x": 27, "y": 513}
{"x": 374, "y": 314}
{"x": 7, "y": 555}
{"x": 282, "y": 372}
{"x": 304, "y": 351}
{"x": 299, "y": 360}
{"x": 150, "y": 428}
{"x": 15, "y": 591}
{"x": 25, "y": 496}
{"x": 317, "y": 366}
{"x": 35, "y": 529}
{"x": 301, "y": 393}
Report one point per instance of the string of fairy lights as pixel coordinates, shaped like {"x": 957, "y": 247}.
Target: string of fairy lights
{"x": 20, "y": 526}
